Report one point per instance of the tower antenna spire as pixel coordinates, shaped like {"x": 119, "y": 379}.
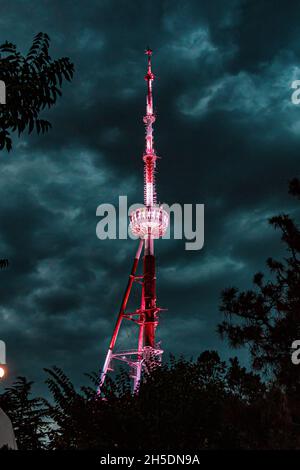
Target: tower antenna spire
{"x": 149, "y": 154}
{"x": 148, "y": 223}
{"x": 149, "y": 77}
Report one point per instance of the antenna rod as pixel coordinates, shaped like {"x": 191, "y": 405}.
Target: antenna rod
{"x": 149, "y": 154}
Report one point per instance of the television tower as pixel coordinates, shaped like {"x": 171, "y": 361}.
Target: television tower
{"x": 148, "y": 223}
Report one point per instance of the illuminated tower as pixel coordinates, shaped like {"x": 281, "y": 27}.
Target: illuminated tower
{"x": 148, "y": 223}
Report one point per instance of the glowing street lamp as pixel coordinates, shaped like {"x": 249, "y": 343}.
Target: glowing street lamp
{"x": 2, "y": 359}
{"x": 2, "y": 371}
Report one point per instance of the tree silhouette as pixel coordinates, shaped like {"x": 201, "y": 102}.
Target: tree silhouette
{"x": 27, "y": 415}
{"x": 267, "y": 318}
{"x": 181, "y": 405}
{"x": 32, "y": 82}
{"x": 202, "y": 404}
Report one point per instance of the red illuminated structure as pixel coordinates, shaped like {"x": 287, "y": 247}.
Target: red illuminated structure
{"x": 148, "y": 223}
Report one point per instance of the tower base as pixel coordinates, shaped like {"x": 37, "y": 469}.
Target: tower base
{"x": 144, "y": 358}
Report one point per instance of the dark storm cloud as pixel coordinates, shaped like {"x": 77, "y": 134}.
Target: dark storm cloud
{"x": 229, "y": 138}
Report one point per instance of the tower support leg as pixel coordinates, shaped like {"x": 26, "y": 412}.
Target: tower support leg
{"x": 140, "y": 357}
{"x": 120, "y": 316}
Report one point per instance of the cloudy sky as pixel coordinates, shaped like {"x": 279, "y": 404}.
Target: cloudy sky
{"x": 229, "y": 138}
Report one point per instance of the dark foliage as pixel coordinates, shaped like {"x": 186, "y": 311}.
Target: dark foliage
{"x": 183, "y": 405}
{"x": 27, "y": 415}
{"x": 32, "y": 82}
{"x": 267, "y": 318}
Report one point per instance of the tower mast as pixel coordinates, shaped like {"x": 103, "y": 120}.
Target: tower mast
{"x": 149, "y": 158}
{"x": 148, "y": 223}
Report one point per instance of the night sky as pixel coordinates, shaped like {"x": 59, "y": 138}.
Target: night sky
{"x": 229, "y": 138}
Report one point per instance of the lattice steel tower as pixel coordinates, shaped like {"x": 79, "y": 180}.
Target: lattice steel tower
{"x": 148, "y": 223}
